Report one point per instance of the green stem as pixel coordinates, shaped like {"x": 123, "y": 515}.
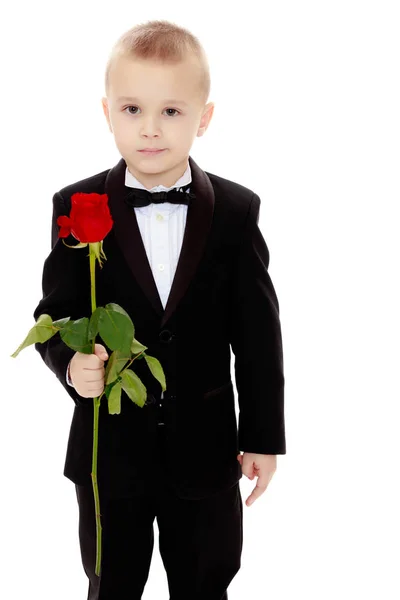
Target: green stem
{"x": 124, "y": 369}
{"x": 130, "y": 362}
{"x": 96, "y": 407}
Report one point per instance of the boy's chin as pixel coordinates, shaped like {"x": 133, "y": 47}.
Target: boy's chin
{"x": 154, "y": 165}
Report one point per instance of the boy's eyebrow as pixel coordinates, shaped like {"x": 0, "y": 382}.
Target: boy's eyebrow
{"x": 132, "y": 99}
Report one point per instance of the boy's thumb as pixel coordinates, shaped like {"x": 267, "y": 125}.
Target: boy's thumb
{"x": 101, "y": 351}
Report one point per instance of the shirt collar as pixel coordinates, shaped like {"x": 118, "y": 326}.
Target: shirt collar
{"x": 131, "y": 181}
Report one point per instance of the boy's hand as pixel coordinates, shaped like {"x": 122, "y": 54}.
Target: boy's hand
{"x": 261, "y": 465}
{"x": 87, "y": 372}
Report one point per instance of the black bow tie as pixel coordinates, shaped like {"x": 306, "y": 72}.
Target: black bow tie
{"x": 136, "y": 197}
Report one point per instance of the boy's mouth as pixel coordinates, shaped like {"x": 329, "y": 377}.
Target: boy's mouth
{"x": 151, "y": 150}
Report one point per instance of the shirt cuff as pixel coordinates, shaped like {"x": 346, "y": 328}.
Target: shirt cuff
{"x": 67, "y": 377}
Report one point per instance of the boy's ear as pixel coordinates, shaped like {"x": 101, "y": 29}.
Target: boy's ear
{"x": 104, "y": 104}
{"x": 206, "y": 118}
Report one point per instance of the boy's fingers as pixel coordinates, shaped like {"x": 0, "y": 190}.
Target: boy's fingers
{"x": 254, "y": 495}
{"x": 260, "y": 488}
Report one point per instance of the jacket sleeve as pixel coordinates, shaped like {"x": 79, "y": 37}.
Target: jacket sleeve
{"x": 257, "y": 345}
{"x": 64, "y": 295}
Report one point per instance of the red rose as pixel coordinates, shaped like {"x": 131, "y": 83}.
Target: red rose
{"x": 89, "y": 220}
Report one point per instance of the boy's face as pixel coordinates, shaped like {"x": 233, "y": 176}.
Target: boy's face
{"x": 165, "y": 112}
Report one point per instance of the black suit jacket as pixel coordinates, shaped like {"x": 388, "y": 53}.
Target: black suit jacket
{"x": 221, "y": 297}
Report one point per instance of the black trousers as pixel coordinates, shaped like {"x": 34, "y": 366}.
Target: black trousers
{"x": 200, "y": 542}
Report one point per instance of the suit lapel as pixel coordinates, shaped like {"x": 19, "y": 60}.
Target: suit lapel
{"x": 128, "y": 236}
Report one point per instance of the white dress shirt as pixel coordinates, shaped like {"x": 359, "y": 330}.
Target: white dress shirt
{"x": 162, "y": 227}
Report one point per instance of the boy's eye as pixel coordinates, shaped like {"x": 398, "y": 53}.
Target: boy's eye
{"x": 131, "y": 113}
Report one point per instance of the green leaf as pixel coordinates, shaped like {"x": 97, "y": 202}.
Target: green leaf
{"x": 107, "y": 389}
{"x": 118, "y": 308}
{"x": 115, "y": 365}
{"x": 94, "y": 324}
{"x": 156, "y": 369}
{"x": 61, "y": 322}
{"x": 42, "y": 331}
{"x": 134, "y": 388}
{"x": 75, "y": 335}
{"x": 116, "y": 329}
{"x": 137, "y": 347}
{"x": 114, "y": 400}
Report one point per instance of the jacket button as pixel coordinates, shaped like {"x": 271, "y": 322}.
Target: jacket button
{"x": 166, "y": 336}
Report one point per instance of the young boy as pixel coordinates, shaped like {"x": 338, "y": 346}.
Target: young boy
{"x": 178, "y": 458}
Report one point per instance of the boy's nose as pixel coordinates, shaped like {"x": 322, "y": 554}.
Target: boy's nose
{"x": 150, "y": 127}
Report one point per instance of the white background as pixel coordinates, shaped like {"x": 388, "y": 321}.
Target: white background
{"x": 307, "y": 116}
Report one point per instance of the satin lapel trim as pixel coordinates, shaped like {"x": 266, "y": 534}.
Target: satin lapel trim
{"x": 128, "y": 236}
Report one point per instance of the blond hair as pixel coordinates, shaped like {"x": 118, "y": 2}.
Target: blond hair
{"x": 162, "y": 41}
